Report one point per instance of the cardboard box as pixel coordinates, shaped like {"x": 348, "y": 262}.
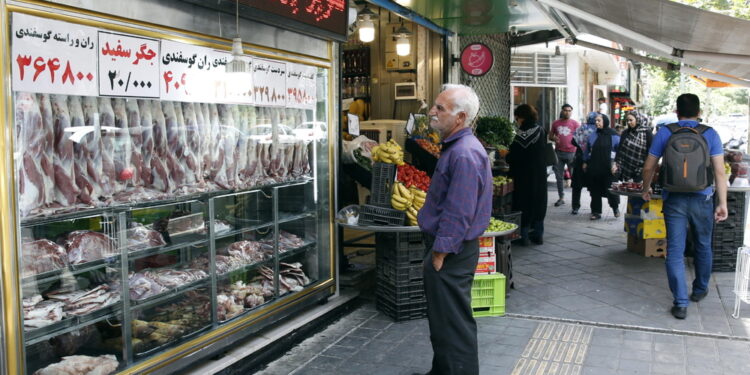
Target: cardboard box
{"x": 653, "y": 247}
{"x": 486, "y": 244}
{"x": 487, "y": 264}
{"x": 645, "y": 229}
{"x": 654, "y": 207}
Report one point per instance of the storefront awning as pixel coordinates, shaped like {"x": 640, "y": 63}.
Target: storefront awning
{"x": 667, "y": 29}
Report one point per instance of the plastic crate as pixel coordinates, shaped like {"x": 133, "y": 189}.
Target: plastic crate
{"x": 402, "y": 312}
{"x": 372, "y": 215}
{"x": 488, "y": 295}
{"x": 401, "y": 293}
{"x": 383, "y": 176}
{"x": 400, "y": 247}
{"x": 400, "y": 273}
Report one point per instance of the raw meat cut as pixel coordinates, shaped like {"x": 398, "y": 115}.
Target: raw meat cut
{"x": 86, "y": 246}
{"x": 194, "y": 134}
{"x": 147, "y": 142}
{"x": 124, "y": 169}
{"x": 228, "y": 138}
{"x": 177, "y": 143}
{"x": 135, "y": 133}
{"x": 216, "y": 152}
{"x": 167, "y": 171}
{"x": 81, "y": 302}
{"x": 106, "y": 116}
{"x": 141, "y": 237}
{"x": 42, "y": 256}
{"x": 29, "y": 144}
{"x": 92, "y": 146}
{"x": 240, "y": 153}
{"x": 47, "y": 148}
{"x": 42, "y": 314}
{"x": 82, "y": 365}
{"x": 88, "y": 186}
{"x": 66, "y": 190}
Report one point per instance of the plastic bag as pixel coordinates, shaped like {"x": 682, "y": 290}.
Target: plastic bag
{"x": 348, "y": 215}
{"x": 362, "y": 142}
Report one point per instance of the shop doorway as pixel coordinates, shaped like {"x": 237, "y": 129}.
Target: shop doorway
{"x": 546, "y": 99}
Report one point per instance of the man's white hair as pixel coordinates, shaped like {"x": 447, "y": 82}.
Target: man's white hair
{"x": 465, "y": 99}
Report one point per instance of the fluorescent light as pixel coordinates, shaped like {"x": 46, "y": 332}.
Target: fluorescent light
{"x": 403, "y": 47}
{"x": 366, "y": 30}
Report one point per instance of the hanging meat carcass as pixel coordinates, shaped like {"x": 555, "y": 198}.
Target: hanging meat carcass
{"x": 216, "y": 151}
{"x": 168, "y": 173}
{"x": 228, "y": 137}
{"x": 100, "y": 166}
{"x": 30, "y": 141}
{"x": 88, "y": 186}
{"x": 109, "y": 147}
{"x": 193, "y": 135}
{"x": 135, "y": 131}
{"x": 47, "y": 148}
{"x": 66, "y": 190}
{"x": 177, "y": 142}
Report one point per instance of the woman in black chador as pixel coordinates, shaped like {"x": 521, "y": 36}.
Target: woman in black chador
{"x": 529, "y": 173}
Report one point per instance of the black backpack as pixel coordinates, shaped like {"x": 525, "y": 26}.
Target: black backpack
{"x": 686, "y": 167}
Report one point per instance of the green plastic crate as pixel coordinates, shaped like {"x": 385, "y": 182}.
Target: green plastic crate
{"x": 488, "y": 295}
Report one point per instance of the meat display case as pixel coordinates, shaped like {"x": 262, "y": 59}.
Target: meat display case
{"x": 148, "y": 230}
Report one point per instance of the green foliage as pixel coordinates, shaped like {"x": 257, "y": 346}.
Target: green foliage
{"x": 734, "y": 8}
{"x": 495, "y": 130}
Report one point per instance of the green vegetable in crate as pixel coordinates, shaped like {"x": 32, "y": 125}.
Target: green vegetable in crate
{"x": 499, "y": 226}
{"x": 501, "y": 180}
{"x": 495, "y": 130}
{"x": 362, "y": 160}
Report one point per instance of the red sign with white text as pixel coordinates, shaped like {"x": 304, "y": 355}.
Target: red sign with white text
{"x": 476, "y": 59}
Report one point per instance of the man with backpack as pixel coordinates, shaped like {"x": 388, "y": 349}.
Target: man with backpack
{"x": 693, "y": 159}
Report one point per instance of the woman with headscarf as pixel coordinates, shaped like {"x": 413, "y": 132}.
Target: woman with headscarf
{"x": 599, "y": 166}
{"x": 634, "y": 145}
{"x": 529, "y": 172}
{"x": 580, "y": 139}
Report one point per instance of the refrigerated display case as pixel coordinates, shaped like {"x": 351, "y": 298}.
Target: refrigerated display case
{"x": 148, "y": 229}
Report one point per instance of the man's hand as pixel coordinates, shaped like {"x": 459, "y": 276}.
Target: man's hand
{"x": 720, "y": 214}
{"x": 585, "y": 167}
{"x": 646, "y": 193}
{"x": 614, "y": 169}
{"x": 437, "y": 260}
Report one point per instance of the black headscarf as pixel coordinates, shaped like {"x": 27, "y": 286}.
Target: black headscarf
{"x": 601, "y": 151}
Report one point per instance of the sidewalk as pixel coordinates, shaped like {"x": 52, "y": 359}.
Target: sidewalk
{"x": 582, "y": 304}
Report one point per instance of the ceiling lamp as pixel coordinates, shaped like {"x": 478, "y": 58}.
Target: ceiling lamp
{"x": 237, "y": 64}
{"x": 366, "y": 26}
{"x": 403, "y": 46}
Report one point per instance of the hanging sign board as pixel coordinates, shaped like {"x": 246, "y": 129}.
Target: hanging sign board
{"x": 328, "y": 15}
{"x": 476, "y": 59}
{"x": 300, "y": 86}
{"x": 269, "y": 79}
{"x": 128, "y": 65}
{"x": 53, "y": 57}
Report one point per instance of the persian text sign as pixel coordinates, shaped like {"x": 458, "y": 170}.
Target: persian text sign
{"x": 476, "y": 59}
{"x": 53, "y": 57}
{"x": 269, "y": 79}
{"x": 194, "y": 74}
{"x": 300, "y": 86}
{"x": 128, "y": 65}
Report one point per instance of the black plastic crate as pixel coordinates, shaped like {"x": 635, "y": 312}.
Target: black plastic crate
{"x": 400, "y": 273}
{"x": 400, "y": 247}
{"x": 400, "y": 256}
{"x": 383, "y": 176}
{"x": 372, "y": 215}
{"x": 398, "y": 294}
{"x": 402, "y": 312}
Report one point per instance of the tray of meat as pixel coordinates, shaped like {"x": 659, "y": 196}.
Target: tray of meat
{"x": 187, "y": 224}
{"x": 82, "y": 364}
{"x": 90, "y": 304}
{"x": 85, "y": 247}
{"x": 42, "y": 258}
{"x": 149, "y": 285}
{"x": 141, "y": 237}
{"x": 42, "y": 317}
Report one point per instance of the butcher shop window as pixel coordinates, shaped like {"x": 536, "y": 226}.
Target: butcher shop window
{"x": 536, "y": 68}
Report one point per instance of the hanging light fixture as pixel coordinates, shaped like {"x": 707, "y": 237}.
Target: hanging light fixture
{"x": 403, "y": 46}
{"x": 366, "y": 26}
{"x": 237, "y": 64}
{"x": 557, "y": 51}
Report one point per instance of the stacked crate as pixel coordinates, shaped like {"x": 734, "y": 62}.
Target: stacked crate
{"x": 729, "y": 234}
{"x": 379, "y": 211}
{"x": 400, "y": 288}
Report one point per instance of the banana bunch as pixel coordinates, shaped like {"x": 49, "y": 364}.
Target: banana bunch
{"x": 409, "y": 200}
{"x": 389, "y": 152}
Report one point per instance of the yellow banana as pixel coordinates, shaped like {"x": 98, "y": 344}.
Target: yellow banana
{"x": 412, "y": 210}
{"x": 420, "y": 193}
{"x": 405, "y": 192}
{"x": 398, "y": 206}
{"x": 399, "y": 199}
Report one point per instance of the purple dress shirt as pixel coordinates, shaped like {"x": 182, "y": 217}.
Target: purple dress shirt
{"x": 459, "y": 201}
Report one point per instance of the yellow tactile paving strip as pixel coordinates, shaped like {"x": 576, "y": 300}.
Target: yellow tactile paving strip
{"x": 555, "y": 349}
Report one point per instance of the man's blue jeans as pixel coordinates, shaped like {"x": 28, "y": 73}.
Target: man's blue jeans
{"x": 681, "y": 209}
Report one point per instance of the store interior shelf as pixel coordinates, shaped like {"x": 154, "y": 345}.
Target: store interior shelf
{"x": 244, "y": 269}
{"x": 247, "y": 311}
{"x": 296, "y": 251}
{"x": 72, "y": 324}
{"x": 285, "y": 217}
{"x": 165, "y": 249}
{"x": 72, "y": 270}
{"x": 171, "y": 343}
{"x": 235, "y": 232}
{"x": 161, "y": 298}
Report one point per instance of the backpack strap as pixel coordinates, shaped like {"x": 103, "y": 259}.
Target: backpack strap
{"x": 701, "y": 128}
{"x": 674, "y": 127}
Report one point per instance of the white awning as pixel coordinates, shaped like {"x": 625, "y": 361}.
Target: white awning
{"x": 696, "y": 37}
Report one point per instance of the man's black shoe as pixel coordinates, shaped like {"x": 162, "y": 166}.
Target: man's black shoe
{"x": 559, "y": 202}
{"x": 696, "y": 297}
{"x": 574, "y": 212}
{"x": 538, "y": 241}
{"x": 679, "y": 312}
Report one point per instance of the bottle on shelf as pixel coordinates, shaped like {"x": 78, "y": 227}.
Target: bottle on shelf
{"x": 355, "y": 88}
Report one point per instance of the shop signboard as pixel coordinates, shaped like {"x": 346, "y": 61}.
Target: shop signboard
{"x": 328, "y": 15}
{"x": 476, "y": 59}
{"x": 53, "y": 57}
{"x": 128, "y": 65}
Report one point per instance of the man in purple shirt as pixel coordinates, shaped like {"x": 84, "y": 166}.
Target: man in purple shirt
{"x": 456, "y": 212}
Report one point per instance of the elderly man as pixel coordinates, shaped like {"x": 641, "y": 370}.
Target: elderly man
{"x": 456, "y": 212}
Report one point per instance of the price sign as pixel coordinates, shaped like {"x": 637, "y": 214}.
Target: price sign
{"x": 195, "y": 74}
{"x": 301, "y": 86}
{"x": 476, "y": 59}
{"x": 269, "y": 78}
{"x": 53, "y": 57}
{"x": 128, "y": 65}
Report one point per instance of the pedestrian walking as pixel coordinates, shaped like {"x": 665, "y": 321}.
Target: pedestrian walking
{"x": 529, "y": 172}
{"x": 456, "y": 212}
{"x": 580, "y": 140}
{"x": 603, "y": 107}
{"x": 599, "y": 166}
{"x": 561, "y": 133}
{"x": 635, "y": 142}
{"x": 693, "y": 159}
